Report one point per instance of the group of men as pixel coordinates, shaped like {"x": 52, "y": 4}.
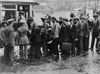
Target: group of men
{"x": 75, "y": 33}
{"x": 71, "y": 37}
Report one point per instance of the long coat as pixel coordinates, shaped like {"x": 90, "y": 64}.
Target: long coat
{"x": 64, "y": 33}
{"x": 86, "y": 29}
{"x": 9, "y": 39}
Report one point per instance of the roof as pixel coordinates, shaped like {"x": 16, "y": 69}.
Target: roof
{"x": 20, "y": 1}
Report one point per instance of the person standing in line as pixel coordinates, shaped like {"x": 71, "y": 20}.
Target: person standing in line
{"x": 38, "y": 42}
{"x": 55, "y": 30}
{"x": 95, "y": 32}
{"x": 4, "y": 25}
{"x": 23, "y": 39}
{"x": 86, "y": 35}
{"x": 80, "y": 34}
{"x": 9, "y": 42}
{"x": 44, "y": 32}
{"x": 64, "y": 36}
{"x": 73, "y": 37}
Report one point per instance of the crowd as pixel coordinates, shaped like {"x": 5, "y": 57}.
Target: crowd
{"x": 69, "y": 37}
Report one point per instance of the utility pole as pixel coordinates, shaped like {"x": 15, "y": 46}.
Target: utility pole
{"x": 95, "y": 6}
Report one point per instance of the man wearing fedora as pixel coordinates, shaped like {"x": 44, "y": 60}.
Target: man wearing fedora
{"x": 95, "y": 32}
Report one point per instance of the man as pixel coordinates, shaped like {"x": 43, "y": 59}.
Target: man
{"x": 80, "y": 35}
{"x": 95, "y": 32}
{"x": 44, "y": 35}
{"x": 73, "y": 33}
{"x": 9, "y": 42}
{"x": 64, "y": 36}
{"x": 64, "y": 32}
{"x": 55, "y": 30}
{"x": 86, "y": 35}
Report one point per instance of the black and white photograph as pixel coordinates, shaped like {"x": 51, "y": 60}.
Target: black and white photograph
{"x": 49, "y": 36}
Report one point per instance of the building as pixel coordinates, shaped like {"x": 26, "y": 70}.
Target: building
{"x": 11, "y": 8}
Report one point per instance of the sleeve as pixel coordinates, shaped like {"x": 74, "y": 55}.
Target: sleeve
{"x": 1, "y": 34}
{"x": 87, "y": 28}
{"x": 76, "y": 34}
{"x": 53, "y": 29}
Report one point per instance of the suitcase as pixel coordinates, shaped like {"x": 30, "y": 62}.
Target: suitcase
{"x": 66, "y": 46}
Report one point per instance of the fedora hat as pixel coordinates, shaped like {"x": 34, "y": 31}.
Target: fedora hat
{"x": 95, "y": 15}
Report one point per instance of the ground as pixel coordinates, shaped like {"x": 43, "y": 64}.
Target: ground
{"x": 84, "y": 64}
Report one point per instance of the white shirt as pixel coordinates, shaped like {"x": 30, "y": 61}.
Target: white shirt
{"x": 56, "y": 28}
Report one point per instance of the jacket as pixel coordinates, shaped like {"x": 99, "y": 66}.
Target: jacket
{"x": 73, "y": 31}
{"x": 86, "y": 29}
{"x": 80, "y": 28}
{"x": 9, "y": 39}
{"x": 64, "y": 33}
{"x": 95, "y": 26}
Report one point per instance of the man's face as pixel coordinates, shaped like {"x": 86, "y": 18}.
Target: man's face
{"x": 95, "y": 17}
{"x": 60, "y": 19}
{"x": 53, "y": 21}
{"x": 5, "y": 25}
{"x": 45, "y": 21}
{"x": 82, "y": 20}
{"x": 75, "y": 21}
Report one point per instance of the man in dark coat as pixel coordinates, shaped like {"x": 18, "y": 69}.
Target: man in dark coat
{"x": 73, "y": 37}
{"x": 64, "y": 36}
{"x": 86, "y": 36}
{"x": 65, "y": 31}
{"x": 95, "y": 33}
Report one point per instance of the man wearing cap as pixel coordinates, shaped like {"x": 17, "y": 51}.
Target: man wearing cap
{"x": 9, "y": 42}
{"x": 95, "y": 32}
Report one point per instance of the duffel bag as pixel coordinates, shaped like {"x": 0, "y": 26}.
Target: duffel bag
{"x": 66, "y": 46}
